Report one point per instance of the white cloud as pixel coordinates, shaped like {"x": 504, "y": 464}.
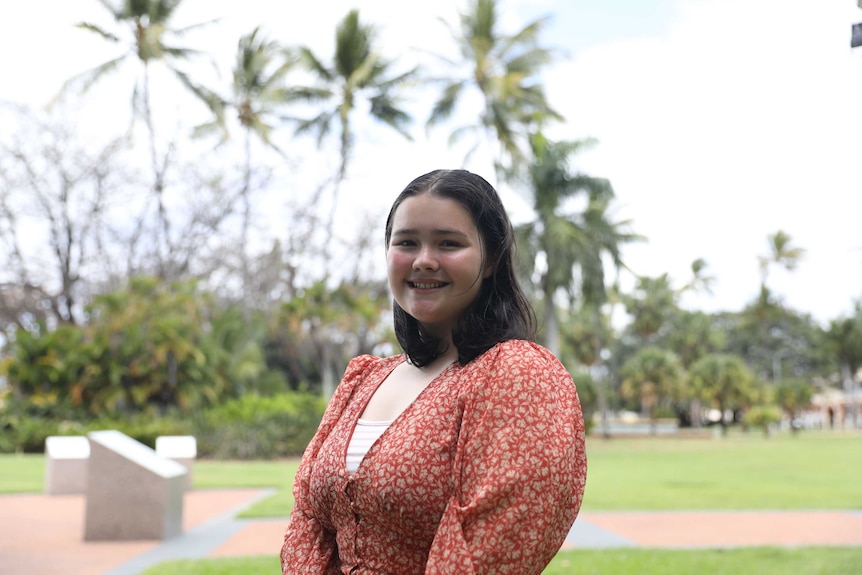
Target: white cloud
{"x": 737, "y": 123}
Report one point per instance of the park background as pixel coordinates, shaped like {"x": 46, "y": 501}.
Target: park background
{"x": 177, "y": 258}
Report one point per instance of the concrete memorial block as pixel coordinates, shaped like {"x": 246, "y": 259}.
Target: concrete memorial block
{"x": 180, "y": 448}
{"x": 132, "y": 492}
{"x": 66, "y": 464}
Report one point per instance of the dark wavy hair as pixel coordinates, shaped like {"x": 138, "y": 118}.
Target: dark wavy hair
{"x": 501, "y": 310}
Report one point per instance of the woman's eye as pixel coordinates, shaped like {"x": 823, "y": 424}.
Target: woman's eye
{"x": 405, "y": 243}
{"x": 450, "y": 244}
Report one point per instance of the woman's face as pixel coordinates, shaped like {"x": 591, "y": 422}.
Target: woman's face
{"x": 435, "y": 262}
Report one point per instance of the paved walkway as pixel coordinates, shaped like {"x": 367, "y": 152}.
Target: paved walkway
{"x": 41, "y": 534}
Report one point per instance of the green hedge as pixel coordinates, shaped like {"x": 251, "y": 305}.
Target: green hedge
{"x": 251, "y": 427}
{"x": 258, "y": 427}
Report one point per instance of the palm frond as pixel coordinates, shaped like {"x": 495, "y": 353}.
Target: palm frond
{"x": 98, "y": 30}
{"x": 312, "y": 63}
{"x": 444, "y": 106}
{"x": 82, "y": 82}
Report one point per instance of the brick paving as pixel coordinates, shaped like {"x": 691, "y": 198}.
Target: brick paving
{"x": 43, "y": 535}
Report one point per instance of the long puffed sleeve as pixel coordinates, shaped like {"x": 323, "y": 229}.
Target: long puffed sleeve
{"x": 520, "y": 468}
{"x": 309, "y": 546}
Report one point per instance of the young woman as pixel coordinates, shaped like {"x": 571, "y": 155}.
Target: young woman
{"x": 465, "y": 454}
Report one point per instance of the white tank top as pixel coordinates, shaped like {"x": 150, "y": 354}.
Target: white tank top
{"x": 364, "y": 436}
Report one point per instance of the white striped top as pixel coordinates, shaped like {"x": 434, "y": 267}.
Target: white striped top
{"x": 364, "y": 436}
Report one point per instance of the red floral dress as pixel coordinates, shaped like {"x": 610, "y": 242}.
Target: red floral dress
{"x": 483, "y": 473}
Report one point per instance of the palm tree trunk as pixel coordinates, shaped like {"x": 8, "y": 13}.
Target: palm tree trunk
{"x": 246, "y": 221}
{"x": 158, "y": 179}
{"x": 552, "y": 324}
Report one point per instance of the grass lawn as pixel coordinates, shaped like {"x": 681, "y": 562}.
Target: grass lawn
{"x": 815, "y": 470}
{"x": 21, "y": 473}
{"x": 759, "y": 560}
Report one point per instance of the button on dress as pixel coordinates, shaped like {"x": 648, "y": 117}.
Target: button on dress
{"x": 483, "y": 473}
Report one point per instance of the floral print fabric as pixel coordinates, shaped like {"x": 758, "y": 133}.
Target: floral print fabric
{"x": 483, "y": 473}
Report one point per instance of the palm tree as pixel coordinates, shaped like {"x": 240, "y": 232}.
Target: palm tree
{"x": 258, "y": 91}
{"x": 572, "y": 244}
{"x": 722, "y": 381}
{"x": 652, "y": 304}
{"x": 357, "y": 71}
{"x": 146, "y": 32}
{"x": 781, "y": 253}
{"x": 654, "y": 376}
{"x": 503, "y": 70}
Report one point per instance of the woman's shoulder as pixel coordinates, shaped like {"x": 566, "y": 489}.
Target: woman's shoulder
{"x": 519, "y": 351}
{"x": 518, "y": 360}
{"x": 365, "y": 363}
{"x": 516, "y": 368}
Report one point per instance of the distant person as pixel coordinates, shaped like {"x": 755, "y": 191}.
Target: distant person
{"x": 465, "y": 454}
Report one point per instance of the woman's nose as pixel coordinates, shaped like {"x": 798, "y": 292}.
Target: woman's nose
{"x": 426, "y": 259}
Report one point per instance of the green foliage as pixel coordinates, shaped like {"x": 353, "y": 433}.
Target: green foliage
{"x": 258, "y": 427}
{"x": 651, "y": 305}
{"x": 691, "y": 335}
{"x": 653, "y": 377}
{"x": 23, "y": 433}
{"x": 45, "y": 367}
{"x": 767, "y": 335}
{"x": 150, "y": 348}
{"x": 845, "y": 339}
{"x": 763, "y": 417}
{"x": 722, "y": 381}
{"x": 792, "y": 395}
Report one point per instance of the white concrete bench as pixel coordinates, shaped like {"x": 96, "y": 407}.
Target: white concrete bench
{"x": 132, "y": 493}
{"x": 180, "y": 448}
{"x": 66, "y": 464}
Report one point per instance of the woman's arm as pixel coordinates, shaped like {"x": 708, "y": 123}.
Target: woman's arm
{"x": 520, "y": 468}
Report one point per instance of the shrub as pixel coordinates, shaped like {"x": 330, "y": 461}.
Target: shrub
{"x": 763, "y": 416}
{"x": 259, "y": 427}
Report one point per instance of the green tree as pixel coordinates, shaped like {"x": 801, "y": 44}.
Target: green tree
{"x": 776, "y": 341}
{"x": 504, "y": 70}
{"x": 331, "y": 325}
{"x": 571, "y": 245}
{"x": 844, "y": 338}
{"x": 793, "y": 395}
{"x": 145, "y": 348}
{"x": 145, "y": 29}
{"x": 651, "y": 304}
{"x": 43, "y": 368}
{"x": 654, "y": 377}
{"x": 763, "y": 416}
{"x": 722, "y": 381}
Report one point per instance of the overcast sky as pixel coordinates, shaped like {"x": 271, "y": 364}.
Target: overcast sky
{"x": 719, "y": 122}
